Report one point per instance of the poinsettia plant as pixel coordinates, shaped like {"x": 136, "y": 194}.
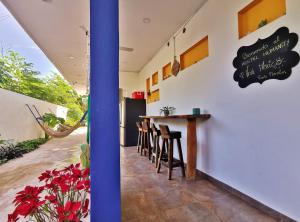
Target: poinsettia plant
{"x": 63, "y": 197}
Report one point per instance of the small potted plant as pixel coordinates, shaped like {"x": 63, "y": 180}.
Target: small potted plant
{"x": 262, "y": 23}
{"x": 167, "y": 110}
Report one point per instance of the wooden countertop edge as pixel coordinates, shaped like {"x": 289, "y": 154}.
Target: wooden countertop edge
{"x": 202, "y": 116}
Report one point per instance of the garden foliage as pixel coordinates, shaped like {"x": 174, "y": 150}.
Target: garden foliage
{"x": 10, "y": 150}
{"x": 52, "y": 120}
{"x": 17, "y": 75}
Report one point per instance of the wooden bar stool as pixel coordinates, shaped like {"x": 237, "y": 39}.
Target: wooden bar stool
{"x": 139, "y": 141}
{"x": 155, "y": 149}
{"x": 146, "y": 144}
{"x": 168, "y": 140}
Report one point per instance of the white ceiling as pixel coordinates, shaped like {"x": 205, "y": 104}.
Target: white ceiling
{"x": 56, "y": 27}
{"x": 167, "y": 16}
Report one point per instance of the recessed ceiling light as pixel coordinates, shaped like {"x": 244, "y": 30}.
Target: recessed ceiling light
{"x": 146, "y": 20}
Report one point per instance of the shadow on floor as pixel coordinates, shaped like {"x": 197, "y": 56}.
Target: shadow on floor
{"x": 148, "y": 196}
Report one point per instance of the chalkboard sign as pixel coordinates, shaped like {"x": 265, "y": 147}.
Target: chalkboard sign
{"x": 270, "y": 58}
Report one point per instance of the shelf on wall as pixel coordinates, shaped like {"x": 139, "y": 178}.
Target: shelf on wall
{"x": 256, "y": 12}
{"x": 155, "y": 79}
{"x": 154, "y": 97}
{"x": 167, "y": 71}
{"x": 194, "y": 54}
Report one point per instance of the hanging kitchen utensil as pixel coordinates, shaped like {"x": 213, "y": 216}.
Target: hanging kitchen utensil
{"x": 176, "y": 64}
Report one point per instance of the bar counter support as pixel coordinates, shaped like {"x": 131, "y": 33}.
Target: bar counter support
{"x": 191, "y": 139}
{"x": 191, "y": 148}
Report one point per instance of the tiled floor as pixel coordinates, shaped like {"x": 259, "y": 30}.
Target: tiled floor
{"x": 148, "y": 196}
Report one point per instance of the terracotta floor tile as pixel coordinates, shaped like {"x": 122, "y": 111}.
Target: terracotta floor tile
{"x": 148, "y": 196}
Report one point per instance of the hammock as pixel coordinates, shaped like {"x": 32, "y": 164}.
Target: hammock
{"x": 53, "y": 133}
{"x": 57, "y": 134}
{"x": 62, "y": 126}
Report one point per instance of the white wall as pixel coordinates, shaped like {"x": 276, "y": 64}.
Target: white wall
{"x": 129, "y": 82}
{"x": 252, "y": 140}
{"x": 16, "y": 122}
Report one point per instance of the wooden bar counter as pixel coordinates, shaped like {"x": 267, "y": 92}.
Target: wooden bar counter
{"x": 191, "y": 138}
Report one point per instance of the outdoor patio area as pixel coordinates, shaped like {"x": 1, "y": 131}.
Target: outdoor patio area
{"x": 148, "y": 196}
{"x": 20, "y": 172}
{"x": 137, "y": 111}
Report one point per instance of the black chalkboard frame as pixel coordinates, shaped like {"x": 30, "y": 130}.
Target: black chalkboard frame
{"x": 269, "y": 58}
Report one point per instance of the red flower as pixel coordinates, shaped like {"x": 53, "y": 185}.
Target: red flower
{"x": 86, "y": 172}
{"x": 25, "y": 209}
{"x": 68, "y": 168}
{"x": 57, "y": 181}
{"x": 59, "y": 187}
{"x": 85, "y": 208}
{"x": 52, "y": 198}
{"x": 85, "y": 184}
{"x": 55, "y": 172}
{"x": 69, "y": 211}
{"x": 45, "y": 176}
{"x": 76, "y": 173}
{"x": 30, "y": 194}
{"x": 13, "y": 217}
{"x": 80, "y": 185}
{"x": 64, "y": 187}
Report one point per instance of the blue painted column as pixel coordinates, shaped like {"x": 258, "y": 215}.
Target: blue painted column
{"x": 104, "y": 91}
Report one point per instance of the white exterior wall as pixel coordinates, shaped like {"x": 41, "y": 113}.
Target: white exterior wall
{"x": 129, "y": 82}
{"x": 16, "y": 122}
{"x": 252, "y": 140}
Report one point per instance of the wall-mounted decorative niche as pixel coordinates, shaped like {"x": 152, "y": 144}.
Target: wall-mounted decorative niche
{"x": 167, "y": 71}
{"x": 147, "y": 86}
{"x": 154, "y": 97}
{"x": 194, "y": 54}
{"x": 155, "y": 79}
{"x": 259, "y": 13}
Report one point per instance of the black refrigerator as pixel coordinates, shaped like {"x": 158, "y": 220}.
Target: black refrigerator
{"x": 130, "y": 110}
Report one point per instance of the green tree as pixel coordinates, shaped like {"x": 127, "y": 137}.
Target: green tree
{"x": 62, "y": 93}
{"x": 20, "y": 76}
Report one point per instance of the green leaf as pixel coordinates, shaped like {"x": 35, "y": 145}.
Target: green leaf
{"x": 18, "y": 75}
